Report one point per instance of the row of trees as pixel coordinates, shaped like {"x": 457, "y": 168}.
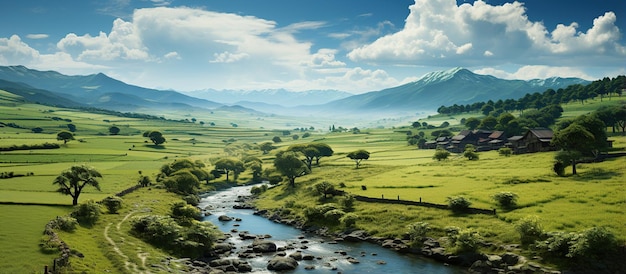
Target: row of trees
{"x": 603, "y": 88}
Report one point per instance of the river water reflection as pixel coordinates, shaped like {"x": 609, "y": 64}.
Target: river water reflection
{"x": 327, "y": 258}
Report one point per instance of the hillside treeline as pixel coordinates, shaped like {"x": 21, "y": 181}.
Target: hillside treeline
{"x": 606, "y": 87}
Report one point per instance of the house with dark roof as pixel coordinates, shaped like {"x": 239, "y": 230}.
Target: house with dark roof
{"x": 534, "y": 140}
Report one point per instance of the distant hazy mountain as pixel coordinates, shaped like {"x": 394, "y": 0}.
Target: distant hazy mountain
{"x": 454, "y": 86}
{"x": 99, "y": 90}
{"x": 280, "y": 97}
{"x": 31, "y": 94}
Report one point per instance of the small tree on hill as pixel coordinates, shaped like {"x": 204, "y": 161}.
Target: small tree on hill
{"x": 358, "y": 156}
{"x": 72, "y": 181}
{"x": 325, "y": 188}
{"x": 288, "y": 164}
{"x": 155, "y": 136}
{"x": 65, "y": 136}
{"x": 228, "y": 165}
{"x": 114, "y": 130}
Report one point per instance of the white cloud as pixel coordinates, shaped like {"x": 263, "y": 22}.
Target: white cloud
{"x": 227, "y": 57}
{"x": 172, "y": 55}
{"x": 441, "y": 33}
{"x": 325, "y": 58}
{"x": 37, "y": 36}
{"x": 536, "y": 72}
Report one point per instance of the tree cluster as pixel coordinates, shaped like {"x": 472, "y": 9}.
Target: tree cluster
{"x": 605, "y": 87}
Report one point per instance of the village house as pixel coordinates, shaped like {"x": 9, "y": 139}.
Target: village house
{"x": 534, "y": 140}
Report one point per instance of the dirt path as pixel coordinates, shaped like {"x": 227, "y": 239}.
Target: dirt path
{"x": 128, "y": 264}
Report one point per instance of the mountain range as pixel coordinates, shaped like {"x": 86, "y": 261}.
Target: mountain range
{"x": 454, "y": 86}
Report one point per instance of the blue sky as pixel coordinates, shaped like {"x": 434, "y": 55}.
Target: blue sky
{"x": 349, "y": 45}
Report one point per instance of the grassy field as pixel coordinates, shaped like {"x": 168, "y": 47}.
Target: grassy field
{"x": 595, "y": 197}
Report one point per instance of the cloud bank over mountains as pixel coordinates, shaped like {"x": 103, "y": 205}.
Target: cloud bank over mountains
{"x": 187, "y": 48}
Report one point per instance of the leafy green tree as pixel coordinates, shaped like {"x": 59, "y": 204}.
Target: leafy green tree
{"x": 155, "y": 137}
{"x": 114, "y": 130}
{"x": 37, "y": 130}
{"x": 288, "y": 164}
{"x": 325, "y": 188}
{"x": 276, "y": 139}
{"x": 71, "y": 127}
{"x": 472, "y": 123}
{"x": 358, "y": 156}
{"x": 470, "y": 152}
{"x": 488, "y": 123}
{"x": 183, "y": 182}
{"x": 575, "y": 141}
{"x": 323, "y": 149}
{"x": 255, "y": 165}
{"x": 65, "y": 136}
{"x": 72, "y": 181}
{"x": 228, "y": 165}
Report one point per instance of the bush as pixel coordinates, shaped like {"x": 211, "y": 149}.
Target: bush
{"x": 417, "y": 231}
{"x": 529, "y": 229}
{"x": 113, "y": 203}
{"x": 441, "y": 154}
{"x": 333, "y": 216}
{"x": 557, "y": 244}
{"x": 505, "y": 151}
{"x": 64, "y": 223}
{"x": 256, "y": 190}
{"x": 347, "y": 202}
{"x": 467, "y": 240}
{"x": 506, "y": 199}
{"x": 325, "y": 188}
{"x": 593, "y": 243}
{"x": 86, "y": 213}
{"x": 185, "y": 213}
{"x": 559, "y": 168}
{"x": 162, "y": 231}
{"x": 192, "y": 199}
{"x": 317, "y": 212}
{"x": 349, "y": 220}
{"x": 458, "y": 204}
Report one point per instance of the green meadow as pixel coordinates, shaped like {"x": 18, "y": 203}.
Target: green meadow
{"x": 594, "y": 197}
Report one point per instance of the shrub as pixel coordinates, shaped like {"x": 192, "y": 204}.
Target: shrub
{"x": 593, "y": 243}
{"x": 333, "y": 215}
{"x": 86, "y": 213}
{"x": 256, "y": 190}
{"x": 441, "y": 154}
{"x": 505, "y": 151}
{"x": 113, "y": 203}
{"x": 557, "y": 244}
{"x": 559, "y": 168}
{"x": 185, "y": 213}
{"x": 162, "y": 231}
{"x": 64, "y": 223}
{"x": 276, "y": 139}
{"x": 347, "y": 202}
{"x": 317, "y": 212}
{"x": 192, "y": 199}
{"x": 506, "y": 199}
{"x": 417, "y": 231}
{"x": 349, "y": 220}
{"x": 467, "y": 240}
{"x": 458, "y": 204}
{"x": 529, "y": 229}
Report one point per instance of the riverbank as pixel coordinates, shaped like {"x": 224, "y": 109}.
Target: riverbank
{"x": 507, "y": 261}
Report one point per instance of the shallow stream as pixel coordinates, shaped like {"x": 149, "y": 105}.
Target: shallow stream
{"x": 372, "y": 258}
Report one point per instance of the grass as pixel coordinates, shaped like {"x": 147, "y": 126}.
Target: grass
{"x": 595, "y": 197}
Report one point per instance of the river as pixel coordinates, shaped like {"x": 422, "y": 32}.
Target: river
{"x": 372, "y": 258}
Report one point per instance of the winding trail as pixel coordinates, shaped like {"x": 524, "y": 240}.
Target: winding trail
{"x": 128, "y": 264}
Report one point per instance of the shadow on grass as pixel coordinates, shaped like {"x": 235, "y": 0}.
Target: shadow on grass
{"x": 156, "y": 146}
{"x": 595, "y": 174}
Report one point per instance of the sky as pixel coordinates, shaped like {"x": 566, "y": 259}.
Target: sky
{"x": 350, "y": 45}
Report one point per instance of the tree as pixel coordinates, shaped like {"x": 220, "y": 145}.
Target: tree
{"x": 358, "y": 156}
{"x": 71, "y": 127}
{"x": 255, "y": 165}
{"x": 470, "y": 152}
{"x": 230, "y": 164}
{"x": 37, "y": 130}
{"x": 489, "y": 123}
{"x": 575, "y": 141}
{"x": 472, "y": 123}
{"x": 276, "y": 139}
{"x": 66, "y": 136}
{"x": 288, "y": 164}
{"x": 114, "y": 130}
{"x": 266, "y": 147}
{"x": 325, "y": 188}
{"x": 72, "y": 181}
{"x": 324, "y": 151}
{"x": 155, "y": 136}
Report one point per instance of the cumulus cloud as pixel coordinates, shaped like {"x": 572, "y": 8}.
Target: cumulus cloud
{"x": 442, "y": 33}
{"x": 227, "y": 57}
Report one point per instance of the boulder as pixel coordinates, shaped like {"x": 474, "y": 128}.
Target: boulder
{"x": 356, "y": 236}
{"x": 263, "y": 246}
{"x": 231, "y": 264}
{"x": 296, "y": 255}
{"x": 282, "y": 263}
{"x": 224, "y": 218}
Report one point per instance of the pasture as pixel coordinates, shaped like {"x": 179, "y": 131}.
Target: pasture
{"x": 595, "y": 197}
